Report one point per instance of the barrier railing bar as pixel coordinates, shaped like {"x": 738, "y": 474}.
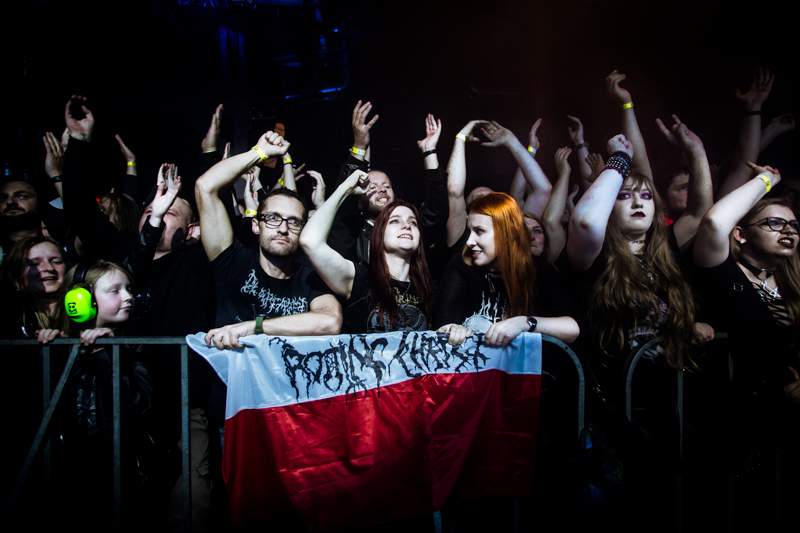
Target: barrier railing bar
{"x": 45, "y": 404}
{"x": 186, "y": 440}
{"x": 101, "y": 340}
{"x": 581, "y": 379}
{"x": 634, "y": 359}
{"x": 117, "y": 434}
{"x": 40, "y": 435}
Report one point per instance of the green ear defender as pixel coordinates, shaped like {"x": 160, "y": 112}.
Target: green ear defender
{"x": 80, "y": 303}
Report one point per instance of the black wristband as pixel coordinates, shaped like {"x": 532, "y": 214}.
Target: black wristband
{"x": 429, "y": 152}
{"x": 581, "y": 145}
{"x": 621, "y": 162}
{"x": 56, "y": 179}
{"x": 751, "y": 113}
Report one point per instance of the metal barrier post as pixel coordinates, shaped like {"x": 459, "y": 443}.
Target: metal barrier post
{"x": 45, "y": 404}
{"x": 117, "y": 435}
{"x": 581, "y": 379}
{"x": 186, "y": 440}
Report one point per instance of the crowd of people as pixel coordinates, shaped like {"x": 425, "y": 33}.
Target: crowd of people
{"x": 628, "y": 255}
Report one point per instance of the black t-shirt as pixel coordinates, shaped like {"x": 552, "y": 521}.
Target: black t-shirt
{"x": 473, "y": 297}
{"x": 361, "y": 310}
{"x": 242, "y": 285}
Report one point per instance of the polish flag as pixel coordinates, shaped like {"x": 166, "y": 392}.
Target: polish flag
{"x": 347, "y": 431}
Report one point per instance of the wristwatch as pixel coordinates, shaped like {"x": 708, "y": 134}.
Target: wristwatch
{"x": 532, "y": 323}
{"x": 260, "y": 324}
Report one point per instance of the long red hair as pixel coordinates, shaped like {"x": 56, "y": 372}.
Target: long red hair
{"x": 513, "y": 250}
{"x": 379, "y": 277}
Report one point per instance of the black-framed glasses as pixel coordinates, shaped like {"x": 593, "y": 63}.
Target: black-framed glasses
{"x": 271, "y": 220}
{"x": 777, "y": 224}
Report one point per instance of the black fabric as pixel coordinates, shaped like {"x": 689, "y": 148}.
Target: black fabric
{"x": 242, "y": 284}
{"x": 473, "y": 297}
{"x": 361, "y": 311}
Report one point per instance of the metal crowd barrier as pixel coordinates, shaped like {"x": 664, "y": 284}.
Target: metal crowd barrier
{"x": 50, "y": 403}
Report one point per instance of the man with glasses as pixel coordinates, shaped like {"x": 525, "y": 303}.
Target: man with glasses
{"x": 261, "y": 291}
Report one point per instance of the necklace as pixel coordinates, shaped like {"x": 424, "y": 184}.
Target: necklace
{"x": 757, "y": 271}
{"x": 769, "y": 291}
{"x": 652, "y": 275}
{"x": 639, "y": 242}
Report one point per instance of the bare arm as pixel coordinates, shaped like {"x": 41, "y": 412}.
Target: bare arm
{"x": 535, "y": 178}
{"x": 776, "y": 127}
{"x": 712, "y": 246}
{"x": 288, "y": 174}
{"x": 336, "y": 271}
{"x": 215, "y": 227}
{"x": 748, "y": 144}
{"x": 700, "y": 196}
{"x": 324, "y": 317}
{"x": 630, "y": 127}
{"x": 457, "y": 182}
{"x": 587, "y": 226}
{"x": 582, "y": 148}
{"x": 519, "y": 185}
{"x": 556, "y": 237}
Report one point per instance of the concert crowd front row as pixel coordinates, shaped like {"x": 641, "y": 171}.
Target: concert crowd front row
{"x": 630, "y": 254}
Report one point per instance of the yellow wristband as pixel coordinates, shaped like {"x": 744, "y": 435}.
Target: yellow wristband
{"x": 532, "y": 150}
{"x": 358, "y": 151}
{"x": 766, "y": 181}
{"x": 282, "y": 183}
{"x": 260, "y": 152}
{"x": 287, "y": 160}
{"x": 250, "y": 212}
{"x": 627, "y": 106}
{"x": 461, "y": 136}
{"x": 131, "y": 163}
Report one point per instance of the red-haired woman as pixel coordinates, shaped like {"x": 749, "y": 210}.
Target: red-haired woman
{"x": 393, "y": 293}
{"x": 492, "y": 287}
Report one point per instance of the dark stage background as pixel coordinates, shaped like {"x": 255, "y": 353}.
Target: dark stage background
{"x": 155, "y": 70}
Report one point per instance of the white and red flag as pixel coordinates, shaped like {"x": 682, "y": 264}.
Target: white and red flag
{"x": 352, "y": 430}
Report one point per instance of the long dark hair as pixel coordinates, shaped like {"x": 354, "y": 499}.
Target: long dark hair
{"x": 388, "y": 310}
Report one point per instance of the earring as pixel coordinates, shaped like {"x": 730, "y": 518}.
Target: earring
{"x": 741, "y": 242}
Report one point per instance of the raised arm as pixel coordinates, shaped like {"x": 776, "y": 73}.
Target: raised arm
{"x": 630, "y": 127}
{"x": 287, "y": 180}
{"x": 556, "y": 237}
{"x": 587, "y": 226}
{"x": 537, "y": 181}
{"x": 582, "y": 148}
{"x": 700, "y": 196}
{"x": 519, "y": 185}
{"x": 776, "y": 127}
{"x": 336, "y": 271}
{"x": 712, "y": 247}
{"x": 215, "y": 227}
{"x": 54, "y": 161}
{"x": 457, "y": 182}
{"x": 748, "y": 144}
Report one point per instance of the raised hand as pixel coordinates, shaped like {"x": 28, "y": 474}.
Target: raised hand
{"x": 467, "y": 130}
{"x": 209, "y": 143}
{"x": 759, "y": 90}
{"x": 433, "y": 129}
{"x": 226, "y": 153}
{"x": 773, "y": 174}
{"x": 252, "y": 185}
{"x": 273, "y": 144}
{"x": 318, "y": 192}
{"x": 497, "y": 134}
{"x": 680, "y": 136}
{"x": 129, "y": 156}
{"x": 619, "y": 143}
{"x": 79, "y": 129}
{"x": 54, "y": 160}
{"x": 620, "y": 95}
{"x": 357, "y": 182}
{"x": 298, "y": 171}
{"x": 168, "y": 186}
{"x": 575, "y": 130}
{"x": 596, "y": 163}
{"x": 533, "y": 140}
{"x": 562, "y": 162}
{"x": 361, "y": 127}
{"x": 65, "y": 139}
